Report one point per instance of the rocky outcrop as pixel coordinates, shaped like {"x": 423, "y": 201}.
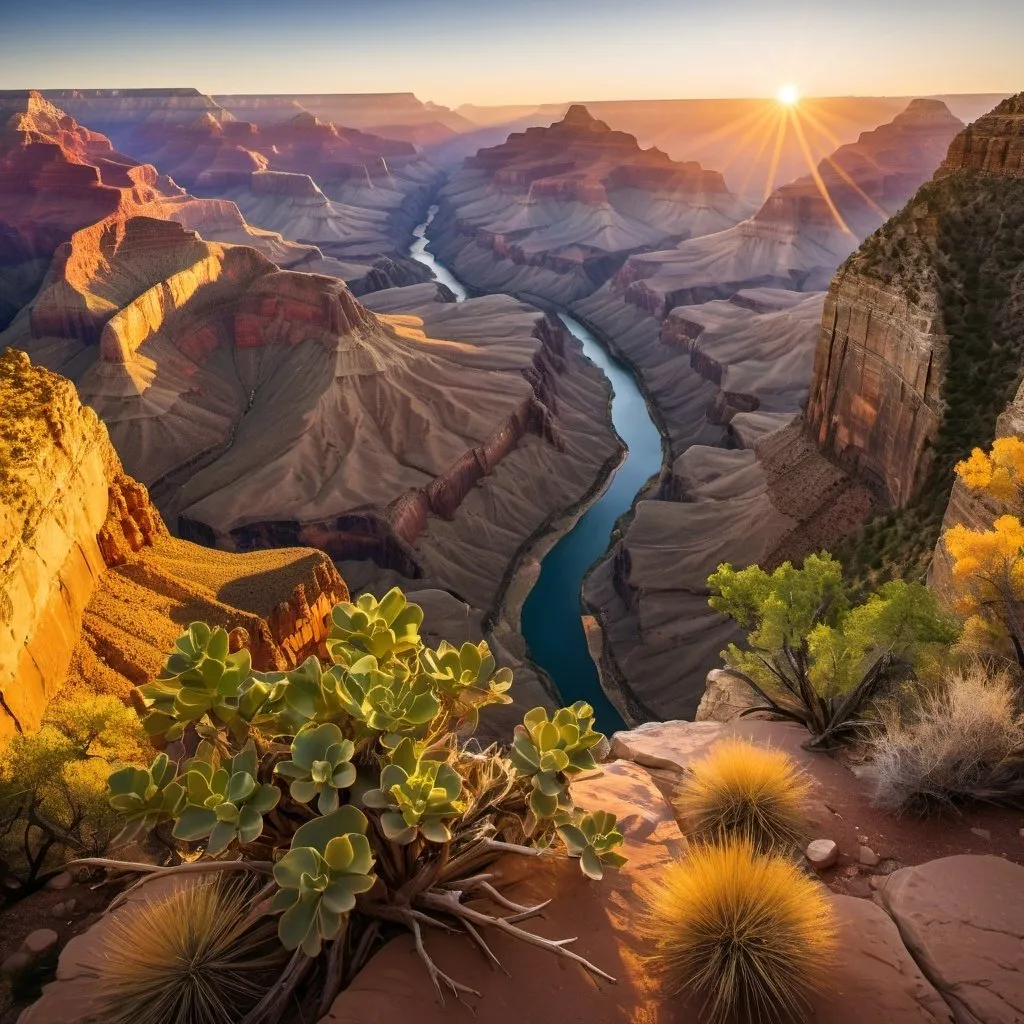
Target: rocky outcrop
{"x": 80, "y": 537}
{"x": 994, "y": 143}
{"x": 553, "y": 212}
{"x": 916, "y": 358}
{"x": 64, "y": 511}
{"x": 963, "y": 920}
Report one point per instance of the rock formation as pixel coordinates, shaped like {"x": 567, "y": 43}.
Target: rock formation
{"x": 919, "y": 349}
{"x": 806, "y": 228}
{"x": 553, "y": 212}
{"x": 95, "y": 590}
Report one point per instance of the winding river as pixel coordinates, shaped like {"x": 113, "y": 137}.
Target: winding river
{"x": 551, "y": 617}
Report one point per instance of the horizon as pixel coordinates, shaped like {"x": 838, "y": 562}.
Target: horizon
{"x": 446, "y": 51}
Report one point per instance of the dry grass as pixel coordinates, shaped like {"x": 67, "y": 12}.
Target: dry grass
{"x": 740, "y": 789}
{"x": 747, "y": 933}
{"x": 961, "y": 742}
{"x": 196, "y": 957}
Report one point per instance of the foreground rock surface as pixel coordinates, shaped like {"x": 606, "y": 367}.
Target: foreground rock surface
{"x": 963, "y": 920}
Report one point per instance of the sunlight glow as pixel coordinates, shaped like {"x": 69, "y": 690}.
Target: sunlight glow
{"x": 789, "y": 95}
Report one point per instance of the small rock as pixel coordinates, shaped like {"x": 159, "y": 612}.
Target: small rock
{"x": 982, "y": 833}
{"x": 821, "y": 854}
{"x": 1020, "y": 832}
{"x": 868, "y": 857}
{"x": 61, "y": 881}
{"x": 39, "y": 942}
{"x": 14, "y": 963}
{"x": 58, "y": 910}
{"x": 863, "y": 839}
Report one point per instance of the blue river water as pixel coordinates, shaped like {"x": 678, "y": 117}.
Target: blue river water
{"x": 551, "y": 617}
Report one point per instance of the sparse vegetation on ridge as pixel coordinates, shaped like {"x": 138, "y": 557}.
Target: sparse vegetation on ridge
{"x": 958, "y": 247}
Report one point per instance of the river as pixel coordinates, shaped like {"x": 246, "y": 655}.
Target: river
{"x": 551, "y": 617}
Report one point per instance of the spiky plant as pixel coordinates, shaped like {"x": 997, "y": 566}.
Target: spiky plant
{"x": 198, "y": 956}
{"x": 740, "y": 789}
{"x": 747, "y": 933}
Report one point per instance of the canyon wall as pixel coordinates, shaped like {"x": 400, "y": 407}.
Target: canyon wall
{"x": 916, "y": 356}
{"x": 77, "y": 531}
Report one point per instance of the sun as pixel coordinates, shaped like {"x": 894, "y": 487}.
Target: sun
{"x": 789, "y": 95}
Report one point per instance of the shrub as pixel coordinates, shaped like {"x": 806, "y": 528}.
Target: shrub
{"x": 355, "y": 787}
{"x": 963, "y": 741}
{"x": 747, "y": 933}
{"x": 741, "y": 790}
{"x": 229, "y": 959}
{"x": 53, "y": 802}
{"x": 813, "y": 657}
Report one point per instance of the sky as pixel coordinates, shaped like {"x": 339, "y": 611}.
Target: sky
{"x": 518, "y": 51}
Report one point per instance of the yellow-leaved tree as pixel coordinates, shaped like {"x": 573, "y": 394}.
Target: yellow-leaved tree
{"x": 988, "y": 565}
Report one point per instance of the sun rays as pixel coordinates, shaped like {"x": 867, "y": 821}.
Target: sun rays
{"x": 790, "y": 119}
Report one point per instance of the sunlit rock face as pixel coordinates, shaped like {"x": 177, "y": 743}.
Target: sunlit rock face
{"x": 55, "y": 177}
{"x": 554, "y": 211}
{"x": 352, "y": 193}
{"x": 84, "y": 552}
{"x": 806, "y": 228}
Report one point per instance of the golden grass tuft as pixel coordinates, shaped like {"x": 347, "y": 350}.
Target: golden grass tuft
{"x": 740, "y": 789}
{"x": 747, "y": 933}
{"x": 196, "y": 957}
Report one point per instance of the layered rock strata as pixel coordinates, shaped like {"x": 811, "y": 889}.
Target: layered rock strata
{"x": 553, "y": 212}
{"x": 918, "y": 354}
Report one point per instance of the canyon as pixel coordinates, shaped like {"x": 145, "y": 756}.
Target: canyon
{"x": 728, "y": 352}
{"x": 236, "y": 301}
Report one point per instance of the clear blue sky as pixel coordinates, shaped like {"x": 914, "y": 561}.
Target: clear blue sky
{"x": 506, "y": 51}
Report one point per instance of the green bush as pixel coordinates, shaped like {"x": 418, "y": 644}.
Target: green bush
{"x": 53, "y": 783}
{"x": 814, "y": 657}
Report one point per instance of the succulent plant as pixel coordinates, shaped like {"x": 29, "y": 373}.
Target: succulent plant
{"x": 145, "y": 796}
{"x": 593, "y": 838}
{"x": 320, "y": 766}
{"x": 223, "y": 803}
{"x": 549, "y": 751}
{"x": 293, "y": 699}
{"x": 330, "y": 862}
{"x": 387, "y": 628}
{"x": 394, "y": 702}
{"x": 416, "y": 796}
{"x": 199, "y": 678}
{"x": 466, "y": 676}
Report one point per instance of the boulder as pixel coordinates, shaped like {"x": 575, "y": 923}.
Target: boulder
{"x": 725, "y": 698}
{"x": 962, "y": 918}
{"x": 821, "y": 854}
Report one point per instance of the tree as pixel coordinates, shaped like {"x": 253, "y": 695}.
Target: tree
{"x": 53, "y": 782}
{"x": 814, "y": 658}
{"x": 988, "y": 565}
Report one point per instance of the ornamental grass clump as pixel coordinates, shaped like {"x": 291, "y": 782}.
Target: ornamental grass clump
{"x": 196, "y": 956}
{"x": 746, "y": 933}
{"x": 353, "y": 792}
{"x": 743, "y": 790}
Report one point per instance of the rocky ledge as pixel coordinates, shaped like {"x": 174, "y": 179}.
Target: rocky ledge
{"x": 927, "y": 943}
